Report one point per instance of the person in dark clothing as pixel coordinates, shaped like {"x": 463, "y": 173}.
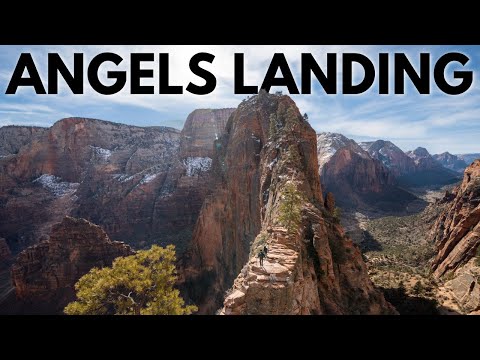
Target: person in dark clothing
{"x": 261, "y": 256}
{"x": 265, "y": 250}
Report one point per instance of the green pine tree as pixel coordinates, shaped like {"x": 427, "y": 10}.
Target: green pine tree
{"x": 141, "y": 284}
{"x": 290, "y": 208}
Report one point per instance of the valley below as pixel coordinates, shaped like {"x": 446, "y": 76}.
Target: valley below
{"x": 267, "y": 216}
{"x": 398, "y": 253}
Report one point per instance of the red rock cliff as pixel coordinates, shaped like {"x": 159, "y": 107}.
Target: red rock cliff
{"x": 457, "y": 237}
{"x": 317, "y": 270}
{"x": 201, "y": 129}
{"x": 142, "y": 185}
{"x": 457, "y": 231}
{"x": 44, "y": 275}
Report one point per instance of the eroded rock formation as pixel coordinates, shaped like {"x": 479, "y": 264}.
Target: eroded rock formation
{"x": 457, "y": 231}
{"x": 314, "y": 270}
{"x": 457, "y": 237}
{"x": 44, "y": 275}
{"x": 142, "y": 185}
{"x": 201, "y": 128}
{"x": 12, "y": 138}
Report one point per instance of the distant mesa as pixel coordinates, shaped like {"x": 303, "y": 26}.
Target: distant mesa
{"x": 157, "y": 177}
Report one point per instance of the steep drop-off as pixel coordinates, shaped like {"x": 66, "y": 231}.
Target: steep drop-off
{"x": 201, "y": 128}
{"x": 457, "y": 237}
{"x": 268, "y": 147}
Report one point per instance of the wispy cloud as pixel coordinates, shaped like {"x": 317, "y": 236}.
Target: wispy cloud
{"x": 437, "y": 121}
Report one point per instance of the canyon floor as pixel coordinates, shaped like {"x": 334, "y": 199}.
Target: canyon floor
{"x": 397, "y": 254}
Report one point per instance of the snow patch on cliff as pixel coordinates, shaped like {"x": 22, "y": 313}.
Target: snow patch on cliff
{"x": 101, "y": 152}
{"x": 270, "y": 166}
{"x": 123, "y": 177}
{"x": 196, "y": 165}
{"x": 328, "y": 144}
{"x": 56, "y": 186}
{"x": 148, "y": 178}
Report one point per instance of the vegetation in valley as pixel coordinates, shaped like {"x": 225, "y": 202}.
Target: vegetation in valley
{"x": 397, "y": 251}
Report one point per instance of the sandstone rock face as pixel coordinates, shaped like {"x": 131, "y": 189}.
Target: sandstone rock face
{"x": 202, "y": 128}
{"x": 355, "y": 178}
{"x": 465, "y": 287}
{"x": 315, "y": 270}
{"x": 457, "y": 231}
{"x": 5, "y": 254}
{"x": 44, "y": 275}
{"x": 12, "y": 138}
{"x": 451, "y": 162}
{"x": 142, "y": 185}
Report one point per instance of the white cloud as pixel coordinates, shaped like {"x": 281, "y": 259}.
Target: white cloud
{"x": 409, "y": 119}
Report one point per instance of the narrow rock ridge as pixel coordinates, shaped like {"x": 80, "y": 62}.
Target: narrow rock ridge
{"x": 267, "y": 147}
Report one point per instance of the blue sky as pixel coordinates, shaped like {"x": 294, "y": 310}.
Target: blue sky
{"x": 437, "y": 121}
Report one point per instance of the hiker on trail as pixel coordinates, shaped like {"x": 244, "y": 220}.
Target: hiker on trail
{"x": 261, "y": 256}
{"x": 265, "y": 250}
